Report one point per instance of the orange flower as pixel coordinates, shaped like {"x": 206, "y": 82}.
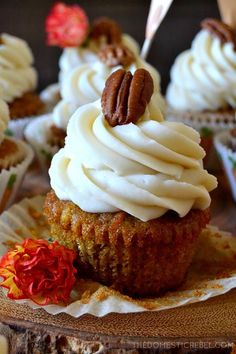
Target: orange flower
{"x": 66, "y": 26}
{"x": 40, "y": 271}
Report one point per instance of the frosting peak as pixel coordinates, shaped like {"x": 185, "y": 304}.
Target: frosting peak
{"x": 144, "y": 169}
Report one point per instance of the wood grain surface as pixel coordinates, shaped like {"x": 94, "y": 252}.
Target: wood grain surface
{"x": 211, "y": 322}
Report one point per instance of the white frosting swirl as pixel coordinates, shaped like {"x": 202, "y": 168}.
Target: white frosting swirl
{"x": 204, "y": 77}
{"x": 144, "y": 169}
{"x": 73, "y": 57}
{"x": 17, "y": 76}
{"x": 4, "y": 119}
{"x": 85, "y": 84}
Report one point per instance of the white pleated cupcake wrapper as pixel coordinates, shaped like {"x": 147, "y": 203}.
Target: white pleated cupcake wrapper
{"x": 37, "y": 133}
{"x": 10, "y": 179}
{"x": 228, "y": 158}
{"x": 212, "y": 122}
{"x": 16, "y": 127}
{"x": 212, "y": 273}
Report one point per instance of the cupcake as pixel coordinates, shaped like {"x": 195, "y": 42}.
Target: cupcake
{"x": 104, "y": 32}
{"x": 68, "y": 27}
{"x": 18, "y": 78}
{"x": 82, "y": 85}
{"x": 129, "y": 193}
{"x": 225, "y": 143}
{"x": 15, "y": 157}
{"x": 202, "y": 90}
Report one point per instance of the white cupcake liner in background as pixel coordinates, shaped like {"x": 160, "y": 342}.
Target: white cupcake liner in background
{"x": 37, "y": 133}
{"x": 199, "y": 121}
{"x": 50, "y": 96}
{"x": 16, "y": 127}
{"x": 228, "y": 158}
{"x": 11, "y": 179}
{"x": 211, "y": 122}
{"x": 212, "y": 273}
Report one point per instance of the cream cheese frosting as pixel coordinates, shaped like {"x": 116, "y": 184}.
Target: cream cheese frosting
{"x": 204, "y": 77}
{"x": 144, "y": 169}
{"x": 73, "y": 57}
{"x": 85, "y": 83}
{"x": 4, "y": 119}
{"x": 17, "y": 75}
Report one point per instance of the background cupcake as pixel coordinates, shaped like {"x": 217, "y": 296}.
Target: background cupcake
{"x": 18, "y": 81}
{"x": 68, "y": 27}
{"x": 18, "y": 78}
{"x": 15, "y": 157}
{"x": 130, "y": 194}
{"x": 202, "y": 91}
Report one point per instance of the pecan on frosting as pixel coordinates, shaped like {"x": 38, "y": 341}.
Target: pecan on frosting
{"x": 219, "y": 29}
{"x": 125, "y": 96}
{"x": 105, "y": 27}
{"x": 116, "y": 54}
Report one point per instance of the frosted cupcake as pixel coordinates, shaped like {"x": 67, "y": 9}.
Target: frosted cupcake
{"x": 15, "y": 157}
{"x": 18, "y": 78}
{"x": 68, "y": 27}
{"x": 82, "y": 85}
{"x": 104, "y": 32}
{"x": 202, "y": 91}
{"x": 129, "y": 192}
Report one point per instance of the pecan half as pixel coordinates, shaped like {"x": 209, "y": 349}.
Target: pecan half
{"x": 125, "y": 96}
{"x": 105, "y": 27}
{"x": 116, "y": 54}
{"x": 219, "y": 29}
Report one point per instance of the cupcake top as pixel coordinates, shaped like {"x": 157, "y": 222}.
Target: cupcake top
{"x": 73, "y": 57}
{"x": 85, "y": 83}
{"x": 204, "y": 76}
{"x": 124, "y": 156}
{"x": 17, "y": 76}
{"x": 104, "y": 31}
{"x": 4, "y": 119}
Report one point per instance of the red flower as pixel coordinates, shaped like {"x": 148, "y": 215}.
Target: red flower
{"x": 40, "y": 271}
{"x": 66, "y": 26}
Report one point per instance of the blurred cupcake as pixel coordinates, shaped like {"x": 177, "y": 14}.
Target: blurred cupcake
{"x": 225, "y": 144}
{"x": 82, "y": 85}
{"x": 15, "y": 157}
{"x": 18, "y": 78}
{"x": 202, "y": 91}
{"x": 68, "y": 27}
{"x": 104, "y": 32}
{"x": 129, "y": 192}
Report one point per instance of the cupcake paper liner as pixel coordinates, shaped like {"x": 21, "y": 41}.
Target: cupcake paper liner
{"x": 123, "y": 252}
{"x": 10, "y": 179}
{"x": 212, "y": 273}
{"x": 37, "y": 134}
{"x": 208, "y": 125}
{"x": 228, "y": 159}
